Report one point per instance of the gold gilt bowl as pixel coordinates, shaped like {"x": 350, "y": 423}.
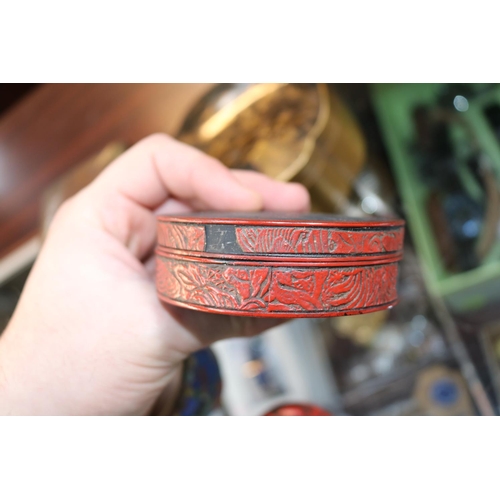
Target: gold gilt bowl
{"x": 291, "y": 132}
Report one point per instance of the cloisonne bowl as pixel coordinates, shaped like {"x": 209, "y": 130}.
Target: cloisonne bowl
{"x": 275, "y": 265}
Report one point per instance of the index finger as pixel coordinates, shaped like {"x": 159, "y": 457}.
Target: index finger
{"x": 159, "y": 167}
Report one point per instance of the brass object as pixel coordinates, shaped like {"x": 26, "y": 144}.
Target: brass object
{"x": 360, "y": 329}
{"x": 291, "y": 132}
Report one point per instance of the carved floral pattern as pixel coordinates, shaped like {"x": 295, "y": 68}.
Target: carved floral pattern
{"x": 317, "y": 241}
{"x": 182, "y": 236}
{"x": 276, "y": 289}
{"x": 288, "y": 240}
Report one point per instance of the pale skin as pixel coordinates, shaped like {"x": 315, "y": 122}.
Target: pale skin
{"x": 89, "y": 335}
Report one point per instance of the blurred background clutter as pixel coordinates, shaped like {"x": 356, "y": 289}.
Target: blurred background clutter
{"x": 429, "y": 153}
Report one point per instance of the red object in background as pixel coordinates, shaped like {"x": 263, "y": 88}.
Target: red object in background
{"x": 298, "y": 410}
{"x": 278, "y": 266}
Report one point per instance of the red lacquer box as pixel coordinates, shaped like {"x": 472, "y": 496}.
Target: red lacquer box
{"x": 298, "y": 410}
{"x": 270, "y": 264}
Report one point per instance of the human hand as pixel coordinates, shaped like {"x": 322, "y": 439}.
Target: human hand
{"x": 89, "y": 335}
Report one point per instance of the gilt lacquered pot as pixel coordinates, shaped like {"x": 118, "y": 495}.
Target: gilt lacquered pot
{"x": 276, "y": 265}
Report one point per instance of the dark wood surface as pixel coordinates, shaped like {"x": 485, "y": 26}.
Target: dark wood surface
{"x": 59, "y": 125}
{"x": 10, "y": 93}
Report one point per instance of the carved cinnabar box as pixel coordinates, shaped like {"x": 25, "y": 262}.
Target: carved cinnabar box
{"x": 270, "y": 264}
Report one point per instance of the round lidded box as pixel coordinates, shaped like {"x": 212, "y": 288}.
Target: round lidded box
{"x": 278, "y": 265}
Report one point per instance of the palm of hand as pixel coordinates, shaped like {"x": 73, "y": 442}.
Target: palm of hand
{"x": 89, "y": 332}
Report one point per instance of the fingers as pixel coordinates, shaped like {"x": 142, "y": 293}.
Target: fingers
{"x": 159, "y": 167}
{"x": 137, "y": 185}
{"x": 276, "y": 195}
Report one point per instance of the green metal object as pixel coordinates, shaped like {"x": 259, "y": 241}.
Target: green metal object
{"x": 394, "y": 105}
